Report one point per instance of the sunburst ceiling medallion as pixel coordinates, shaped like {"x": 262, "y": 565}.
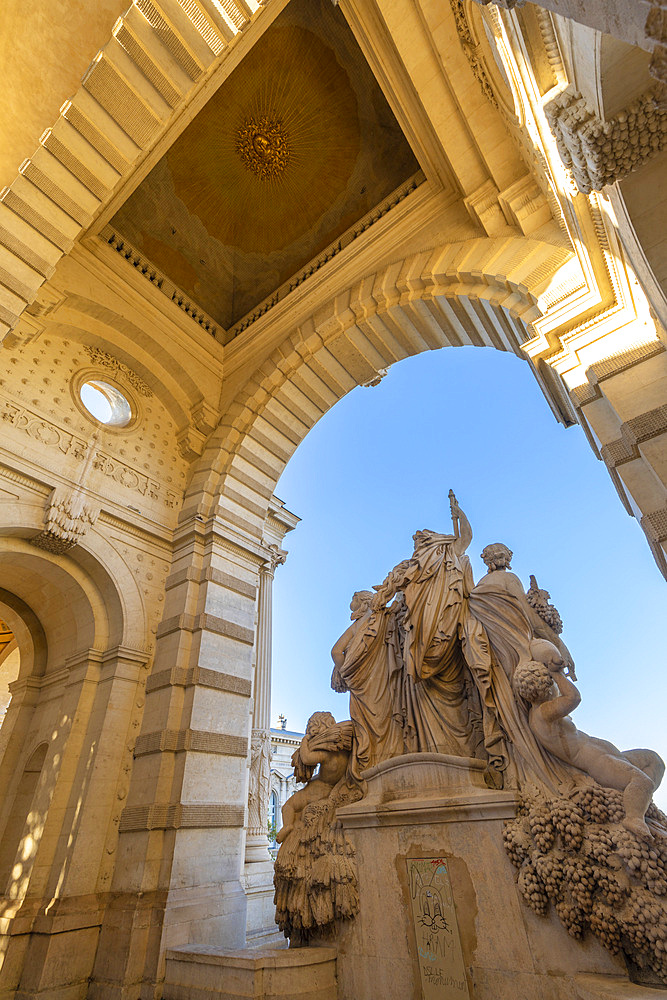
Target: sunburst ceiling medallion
{"x": 263, "y": 145}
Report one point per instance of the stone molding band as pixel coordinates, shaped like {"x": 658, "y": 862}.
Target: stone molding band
{"x": 177, "y": 817}
{"x": 206, "y": 623}
{"x": 179, "y": 740}
{"x": 613, "y": 365}
{"x": 199, "y": 676}
{"x": 634, "y": 432}
{"x": 216, "y": 576}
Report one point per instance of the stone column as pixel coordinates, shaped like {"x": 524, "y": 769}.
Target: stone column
{"x": 259, "y": 785}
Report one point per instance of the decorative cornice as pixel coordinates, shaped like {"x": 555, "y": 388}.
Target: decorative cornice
{"x": 634, "y": 432}
{"x": 144, "y": 266}
{"x": 368, "y": 220}
{"x": 613, "y": 365}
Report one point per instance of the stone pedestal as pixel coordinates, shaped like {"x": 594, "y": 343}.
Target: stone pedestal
{"x": 200, "y": 973}
{"x": 438, "y": 807}
{"x": 257, "y": 882}
{"x": 592, "y": 987}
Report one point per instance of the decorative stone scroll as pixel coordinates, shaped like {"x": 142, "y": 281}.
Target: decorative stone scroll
{"x": 67, "y": 519}
{"x": 602, "y": 152}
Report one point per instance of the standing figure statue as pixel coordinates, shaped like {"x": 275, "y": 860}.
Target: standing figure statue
{"x": 368, "y": 662}
{"x": 444, "y": 708}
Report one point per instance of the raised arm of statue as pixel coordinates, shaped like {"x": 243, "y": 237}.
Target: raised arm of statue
{"x": 567, "y": 700}
{"x": 547, "y": 623}
{"x": 462, "y": 528}
{"x": 544, "y": 631}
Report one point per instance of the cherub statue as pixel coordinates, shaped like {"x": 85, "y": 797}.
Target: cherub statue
{"x": 328, "y": 744}
{"x": 635, "y": 773}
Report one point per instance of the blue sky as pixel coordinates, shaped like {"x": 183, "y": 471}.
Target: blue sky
{"x": 379, "y": 466}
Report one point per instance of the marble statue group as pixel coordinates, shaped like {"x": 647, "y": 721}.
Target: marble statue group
{"x": 434, "y": 662}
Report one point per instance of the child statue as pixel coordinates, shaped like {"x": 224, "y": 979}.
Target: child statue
{"x": 328, "y": 744}
{"x": 635, "y": 773}
{"x": 315, "y": 871}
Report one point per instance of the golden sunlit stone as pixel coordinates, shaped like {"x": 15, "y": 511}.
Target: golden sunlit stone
{"x": 262, "y": 144}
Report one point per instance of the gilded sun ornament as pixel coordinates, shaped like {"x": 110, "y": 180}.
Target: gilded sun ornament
{"x": 262, "y": 144}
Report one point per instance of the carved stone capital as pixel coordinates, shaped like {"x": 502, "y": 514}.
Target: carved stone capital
{"x": 277, "y": 557}
{"x": 66, "y": 521}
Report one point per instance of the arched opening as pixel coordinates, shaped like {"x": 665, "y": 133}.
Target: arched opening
{"x": 378, "y": 466}
{"x": 10, "y": 661}
{"x": 23, "y": 828}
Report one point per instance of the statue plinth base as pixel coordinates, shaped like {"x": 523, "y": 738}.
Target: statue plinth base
{"x": 257, "y": 882}
{"x": 437, "y": 808}
{"x": 199, "y": 973}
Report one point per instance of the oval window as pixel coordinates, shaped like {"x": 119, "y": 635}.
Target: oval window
{"x": 105, "y": 403}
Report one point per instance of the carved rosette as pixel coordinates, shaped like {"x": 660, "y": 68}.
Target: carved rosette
{"x": 262, "y": 142}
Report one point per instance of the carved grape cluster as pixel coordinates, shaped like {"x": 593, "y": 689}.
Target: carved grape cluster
{"x": 600, "y": 805}
{"x": 532, "y": 889}
{"x": 575, "y": 853}
{"x": 569, "y": 821}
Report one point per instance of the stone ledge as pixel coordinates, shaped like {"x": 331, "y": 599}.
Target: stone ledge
{"x": 201, "y": 972}
{"x": 252, "y": 958}
{"x": 591, "y": 986}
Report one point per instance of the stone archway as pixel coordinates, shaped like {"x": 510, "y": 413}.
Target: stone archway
{"x": 487, "y": 292}
{"x": 66, "y": 744}
{"x": 506, "y": 293}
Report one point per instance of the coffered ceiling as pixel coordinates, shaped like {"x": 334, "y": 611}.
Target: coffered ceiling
{"x": 295, "y": 147}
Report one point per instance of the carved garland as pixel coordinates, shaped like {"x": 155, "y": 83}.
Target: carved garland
{"x": 117, "y": 368}
{"x": 601, "y": 152}
{"x": 471, "y": 50}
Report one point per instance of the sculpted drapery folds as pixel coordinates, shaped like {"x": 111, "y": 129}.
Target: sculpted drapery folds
{"x": 368, "y": 663}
